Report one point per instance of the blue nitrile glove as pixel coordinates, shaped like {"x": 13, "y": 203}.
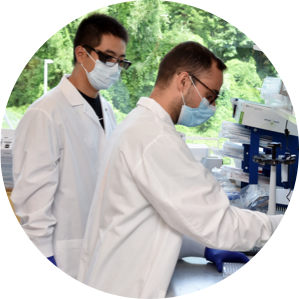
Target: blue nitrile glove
{"x": 219, "y": 256}
{"x": 52, "y": 260}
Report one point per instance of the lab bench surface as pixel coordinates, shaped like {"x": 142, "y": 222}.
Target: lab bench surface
{"x": 8, "y": 193}
{"x": 191, "y": 275}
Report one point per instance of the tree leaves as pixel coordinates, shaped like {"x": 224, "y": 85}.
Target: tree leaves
{"x": 155, "y": 27}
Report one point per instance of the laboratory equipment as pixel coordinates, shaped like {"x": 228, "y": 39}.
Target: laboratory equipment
{"x": 7, "y": 138}
{"x": 257, "y": 129}
{"x": 275, "y": 94}
{"x": 223, "y": 181}
{"x": 271, "y": 85}
{"x": 260, "y": 116}
{"x": 201, "y": 154}
{"x": 199, "y": 151}
{"x": 281, "y": 196}
{"x": 240, "y": 134}
{"x": 239, "y": 174}
{"x": 272, "y": 160}
{"x": 256, "y": 142}
{"x": 230, "y": 149}
{"x": 211, "y": 162}
{"x": 260, "y": 204}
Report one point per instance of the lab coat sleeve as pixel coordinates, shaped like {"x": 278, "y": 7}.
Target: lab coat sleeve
{"x": 191, "y": 248}
{"x": 36, "y": 174}
{"x": 191, "y": 201}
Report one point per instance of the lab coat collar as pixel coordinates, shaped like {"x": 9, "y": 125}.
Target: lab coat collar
{"x": 70, "y": 91}
{"x": 156, "y": 108}
{"x": 75, "y": 98}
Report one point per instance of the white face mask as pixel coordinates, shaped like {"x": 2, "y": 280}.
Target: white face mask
{"x": 102, "y": 76}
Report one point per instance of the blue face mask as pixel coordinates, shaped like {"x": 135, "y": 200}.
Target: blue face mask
{"x": 193, "y": 117}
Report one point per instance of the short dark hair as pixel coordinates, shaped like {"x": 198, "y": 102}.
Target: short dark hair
{"x": 191, "y": 57}
{"x": 92, "y": 28}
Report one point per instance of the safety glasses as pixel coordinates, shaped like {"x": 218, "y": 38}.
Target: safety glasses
{"x": 110, "y": 60}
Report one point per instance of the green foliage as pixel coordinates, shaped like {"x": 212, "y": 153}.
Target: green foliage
{"x": 243, "y": 80}
{"x": 14, "y": 115}
{"x": 120, "y": 116}
{"x": 155, "y": 27}
{"x": 29, "y": 85}
{"x": 227, "y": 161}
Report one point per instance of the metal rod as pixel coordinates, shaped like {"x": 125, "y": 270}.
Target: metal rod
{"x": 8, "y": 121}
{"x": 272, "y": 195}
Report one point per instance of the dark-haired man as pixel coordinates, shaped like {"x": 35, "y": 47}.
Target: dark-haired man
{"x": 60, "y": 140}
{"x": 151, "y": 192}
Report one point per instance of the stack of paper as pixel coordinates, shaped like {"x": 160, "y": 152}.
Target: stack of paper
{"x": 238, "y": 174}
{"x": 231, "y": 150}
{"x": 240, "y": 134}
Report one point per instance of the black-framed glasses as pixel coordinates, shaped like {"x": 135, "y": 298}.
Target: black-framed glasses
{"x": 211, "y": 97}
{"x": 110, "y": 60}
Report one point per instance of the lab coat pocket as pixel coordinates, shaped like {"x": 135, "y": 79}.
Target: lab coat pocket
{"x": 67, "y": 256}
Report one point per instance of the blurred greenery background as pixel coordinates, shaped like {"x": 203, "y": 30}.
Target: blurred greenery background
{"x": 155, "y": 27}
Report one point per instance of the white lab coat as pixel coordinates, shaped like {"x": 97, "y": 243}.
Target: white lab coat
{"x": 58, "y": 146}
{"x": 150, "y": 192}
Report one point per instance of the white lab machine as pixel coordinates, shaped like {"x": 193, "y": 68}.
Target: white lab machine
{"x": 7, "y": 138}
{"x": 202, "y": 155}
{"x": 260, "y": 116}
{"x": 199, "y": 151}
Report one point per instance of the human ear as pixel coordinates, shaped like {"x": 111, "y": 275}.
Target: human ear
{"x": 183, "y": 81}
{"x": 80, "y": 53}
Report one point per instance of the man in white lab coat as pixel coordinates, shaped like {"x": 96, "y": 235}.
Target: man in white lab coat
{"x": 59, "y": 144}
{"x": 151, "y": 191}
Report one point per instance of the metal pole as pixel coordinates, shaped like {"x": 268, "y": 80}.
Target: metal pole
{"x": 45, "y": 76}
{"x": 272, "y": 195}
{"x": 46, "y": 61}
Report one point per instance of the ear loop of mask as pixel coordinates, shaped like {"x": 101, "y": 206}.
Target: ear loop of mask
{"x": 84, "y": 68}
{"x": 195, "y": 87}
{"x": 183, "y": 99}
{"x": 90, "y": 57}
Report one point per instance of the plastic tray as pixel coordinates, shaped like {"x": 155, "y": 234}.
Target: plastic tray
{"x": 231, "y": 268}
